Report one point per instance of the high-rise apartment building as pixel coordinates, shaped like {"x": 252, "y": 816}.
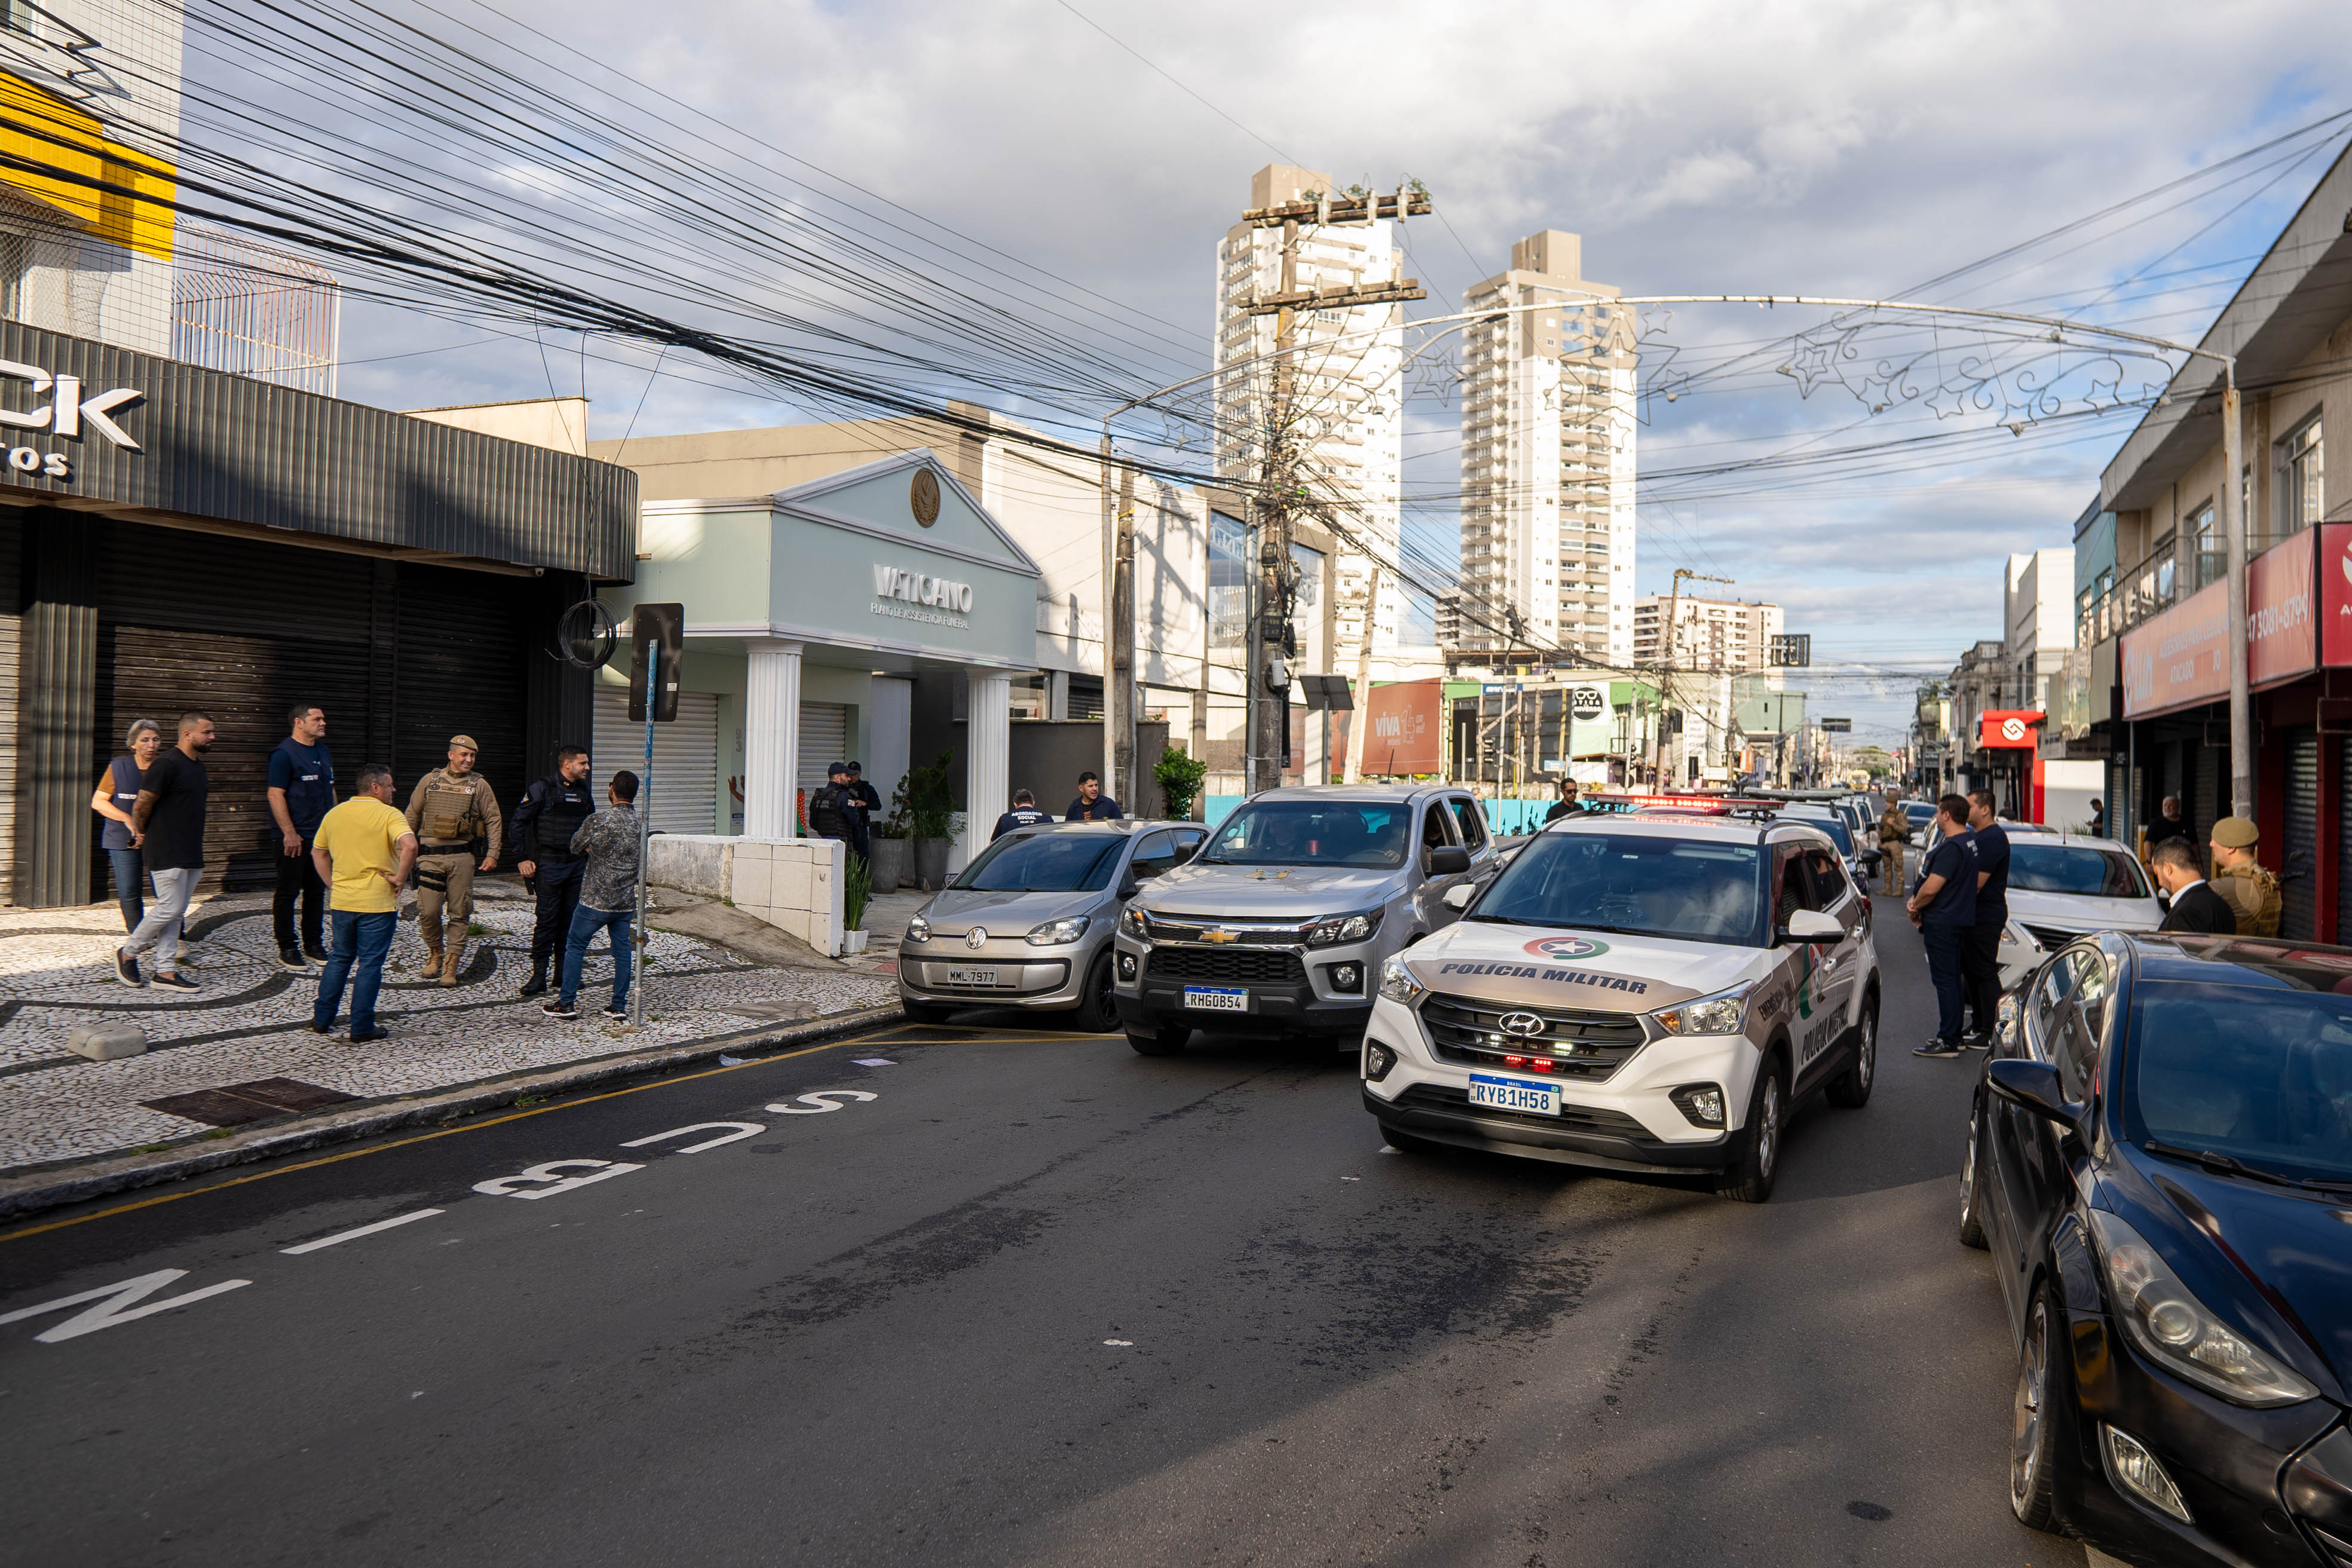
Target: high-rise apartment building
{"x": 1714, "y": 636}
{"x": 1345, "y": 401}
{"x": 1547, "y": 460}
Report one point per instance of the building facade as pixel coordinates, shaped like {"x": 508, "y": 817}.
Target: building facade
{"x": 1548, "y": 460}
{"x": 1346, "y": 400}
{"x": 1731, "y": 637}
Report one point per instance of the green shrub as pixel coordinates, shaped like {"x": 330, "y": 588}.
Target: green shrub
{"x": 1180, "y": 775}
{"x": 857, "y": 892}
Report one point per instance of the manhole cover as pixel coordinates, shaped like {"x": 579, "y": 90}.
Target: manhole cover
{"x": 242, "y": 1102}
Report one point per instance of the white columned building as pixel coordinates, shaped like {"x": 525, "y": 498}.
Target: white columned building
{"x": 986, "y": 789}
{"x": 772, "y": 708}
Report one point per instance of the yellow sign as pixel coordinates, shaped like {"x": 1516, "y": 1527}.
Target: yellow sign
{"x": 61, "y": 157}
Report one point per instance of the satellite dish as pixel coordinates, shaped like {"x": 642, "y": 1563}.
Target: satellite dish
{"x": 585, "y": 635}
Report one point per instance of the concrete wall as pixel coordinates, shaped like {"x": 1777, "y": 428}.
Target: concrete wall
{"x": 559, "y": 423}
{"x": 793, "y": 884}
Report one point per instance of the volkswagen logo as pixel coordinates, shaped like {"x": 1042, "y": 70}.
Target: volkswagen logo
{"x": 1521, "y": 1024}
{"x": 975, "y": 936}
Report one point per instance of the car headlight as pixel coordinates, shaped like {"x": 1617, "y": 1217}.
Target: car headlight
{"x": 1721, "y": 1013}
{"x": 1054, "y": 933}
{"x": 2176, "y": 1330}
{"x": 1131, "y": 921}
{"x": 1397, "y": 983}
{"x": 1344, "y": 927}
{"x": 918, "y": 930}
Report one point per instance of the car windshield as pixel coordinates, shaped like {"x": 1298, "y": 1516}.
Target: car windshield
{"x": 1044, "y": 863}
{"x": 1636, "y": 883}
{"x": 2262, "y": 1076}
{"x": 1312, "y": 833}
{"x": 2078, "y": 868}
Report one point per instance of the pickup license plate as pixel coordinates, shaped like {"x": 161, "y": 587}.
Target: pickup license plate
{"x": 1514, "y": 1094}
{"x": 1217, "y": 998}
{"x": 965, "y": 975}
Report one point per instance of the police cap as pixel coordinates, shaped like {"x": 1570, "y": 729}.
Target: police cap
{"x": 2236, "y": 832}
{"x": 466, "y": 741}
{"x": 832, "y": 768}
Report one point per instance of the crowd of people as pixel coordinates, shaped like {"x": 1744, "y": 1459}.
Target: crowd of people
{"x": 342, "y": 864}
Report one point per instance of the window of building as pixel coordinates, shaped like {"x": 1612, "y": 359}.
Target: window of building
{"x": 1228, "y": 582}
{"x": 2302, "y": 479}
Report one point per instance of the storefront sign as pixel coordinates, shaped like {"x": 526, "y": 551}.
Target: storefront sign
{"x": 69, "y": 410}
{"x": 1588, "y": 704}
{"x": 1999, "y": 729}
{"x": 2336, "y": 593}
{"x": 895, "y": 593}
{"x": 2182, "y": 657}
{"x": 1403, "y": 733}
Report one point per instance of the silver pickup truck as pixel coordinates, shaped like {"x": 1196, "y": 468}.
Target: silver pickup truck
{"x": 1279, "y": 924}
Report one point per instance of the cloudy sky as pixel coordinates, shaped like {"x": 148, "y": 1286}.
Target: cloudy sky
{"x": 1846, "y": 149}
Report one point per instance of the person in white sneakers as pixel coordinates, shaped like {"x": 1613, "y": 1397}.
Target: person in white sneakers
{"x": 167, "y": 824}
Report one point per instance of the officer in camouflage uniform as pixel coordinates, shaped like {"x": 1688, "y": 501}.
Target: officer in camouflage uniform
{"x": 451, "y": 810}
{"x": 2250, "y": 890}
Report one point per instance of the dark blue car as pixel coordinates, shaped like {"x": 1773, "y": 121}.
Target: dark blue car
{"x": 2160, "y": 1162}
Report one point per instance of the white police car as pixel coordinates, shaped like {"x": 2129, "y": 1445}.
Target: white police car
{"x": 1646, "y": 992}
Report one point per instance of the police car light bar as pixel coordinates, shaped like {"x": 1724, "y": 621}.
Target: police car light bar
{"x": 1715, "y": 806}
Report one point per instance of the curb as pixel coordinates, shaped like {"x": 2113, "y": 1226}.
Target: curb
{"x": 103, "y": 1174}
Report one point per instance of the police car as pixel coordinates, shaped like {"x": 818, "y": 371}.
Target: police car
{"x": 1648, "y": 989}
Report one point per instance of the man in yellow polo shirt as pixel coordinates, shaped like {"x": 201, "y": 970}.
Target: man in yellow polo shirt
{"x": 364, "y": 849}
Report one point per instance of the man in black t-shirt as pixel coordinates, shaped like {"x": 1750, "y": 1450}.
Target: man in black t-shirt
{"x": 1024, "y": 814}
{"x": 2168, "y": 826}
{"x": 167, "y": 822}
{"x": 1944, "y": 910}
{"x": 1092, "y": 804}
{"x": 1981, "y": 958}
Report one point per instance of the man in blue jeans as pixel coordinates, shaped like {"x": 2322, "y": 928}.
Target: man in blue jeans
{"x": 364, "y": 850}
{"x": 1944, "y": 910}
{"x": 608, "y": 897}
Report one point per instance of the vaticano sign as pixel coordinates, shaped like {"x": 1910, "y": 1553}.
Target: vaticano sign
{"x": 899, "y": 594}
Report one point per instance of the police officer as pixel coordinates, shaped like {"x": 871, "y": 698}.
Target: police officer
{"x": 450, "y": 810}
{"x": 829, "y": 808}
{"x": 863, "y": 805}
{"x": 1024, "y": 814}
{"x": 2250, "y": 890}
{"x": 551, "y": 813}
{"x": 1894, "y": 834}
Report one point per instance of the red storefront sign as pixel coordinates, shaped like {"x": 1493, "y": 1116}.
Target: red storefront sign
{"x": 2336, "y": 593}
{"x": 2013, "y": 728}
{"x": 2181, "y": 658}
{"x": 1403, "y": 728}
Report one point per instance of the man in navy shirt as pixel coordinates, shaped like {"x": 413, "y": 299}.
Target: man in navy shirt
{"x": 301, "y": 792}
{"x": 1980, "y": 961}
{"x": 1024, "y": 814}
{"x": 1944, "y": 910}
{"x": 1092, "y": 804}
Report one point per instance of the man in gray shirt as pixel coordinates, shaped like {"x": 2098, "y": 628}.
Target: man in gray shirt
{"x": 608, "y": 897}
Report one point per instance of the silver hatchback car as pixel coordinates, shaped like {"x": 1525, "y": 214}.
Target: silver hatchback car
{"x": 1029, "y": 922}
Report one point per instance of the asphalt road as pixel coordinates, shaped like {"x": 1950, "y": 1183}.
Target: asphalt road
{"x": 1034, "y": 1299}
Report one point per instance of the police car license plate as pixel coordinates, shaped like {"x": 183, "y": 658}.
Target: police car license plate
{"x": 963, "y": 974}
{"x": 1217, "y": 998}
{"x": 1514, "y": 1094}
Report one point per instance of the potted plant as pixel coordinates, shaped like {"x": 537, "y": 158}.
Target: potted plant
{"x": 890, "y": 844}
{"x": 856, "y": 891}
{"x": 1180, "y": 777}
{"x": 926, "y": 797}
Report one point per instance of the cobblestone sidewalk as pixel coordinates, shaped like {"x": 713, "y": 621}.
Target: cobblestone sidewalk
{"x": 249, "y": 1024}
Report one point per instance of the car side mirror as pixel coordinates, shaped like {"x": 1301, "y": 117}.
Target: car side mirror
{"x": 1185, "y": 852}
{"x": 1126, "y": 886}
{"x": 1458, "y": 896}
{"x": 2033, "y": 1086}
{"x": 1448, "y": 860}
{"x": 1871, "y": 858}
{"x": 1813, "y": 925}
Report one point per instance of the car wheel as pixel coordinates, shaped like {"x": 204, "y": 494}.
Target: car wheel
{"x": 1751, "y": 1181}
{"x": 1098, "y": 1006}
{"x": 1850, "y": 1090}
{"x": 2040, "y": 1431}
{"x": 925, "y": 1012}
{"x": 1406, "y": 1143}
{"x": 1972, "y": 1194}
{"x": 1165, "y": 1041}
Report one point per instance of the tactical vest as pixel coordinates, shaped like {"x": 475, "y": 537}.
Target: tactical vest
{"x": 561, "y": 814}
{"x": 452, "y": 813}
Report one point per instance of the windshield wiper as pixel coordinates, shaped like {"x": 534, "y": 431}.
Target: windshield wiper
{"x": 2230, "y": 1165}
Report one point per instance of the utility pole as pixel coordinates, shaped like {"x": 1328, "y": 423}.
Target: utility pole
{"x": 1360, "y": 720}
{"x": 1124, "y": 774}
{"x": 2233, "y": 526}
{"x": 1666, "y": 632}
{"x": 1271, "y": 642}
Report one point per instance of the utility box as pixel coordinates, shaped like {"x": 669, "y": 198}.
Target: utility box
{"x": 107, "y": 1042}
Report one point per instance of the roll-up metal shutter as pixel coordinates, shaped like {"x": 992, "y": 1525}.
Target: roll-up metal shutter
{"x": 241, "y": 629}
{"x": 2299, "y": 886}
{"x": 2210, "y": 801}
{"x": 464, "y": 669}
{"x": 824, "y": 741}
{"x": 685, "y": 757}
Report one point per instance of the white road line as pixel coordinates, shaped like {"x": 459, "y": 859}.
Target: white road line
{"x": 355, "y": 1235}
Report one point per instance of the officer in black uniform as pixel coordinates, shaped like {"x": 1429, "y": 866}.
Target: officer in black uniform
{"x": 551, "y": 813}
{"x": 864, "y": 805}
{"x": 829, "y": 808}
{"x": 1024, "y": 814}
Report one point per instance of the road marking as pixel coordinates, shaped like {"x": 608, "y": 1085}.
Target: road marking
{"x": 355, "y": 1235}
{"x": 872, "y": 1062}
{"x": 112, "y": 1300}
{"x": 741, "y": 1129}
{"x": 504, "y": 1186}
{"x": 429, "y": 1137}
{"x": 821, "y": 1101}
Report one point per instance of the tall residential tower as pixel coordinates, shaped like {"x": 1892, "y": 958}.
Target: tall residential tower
{"x": 1547, "y": 460}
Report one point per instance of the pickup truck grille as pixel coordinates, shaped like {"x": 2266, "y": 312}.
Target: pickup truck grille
{"x": 1580, "y": 1045}
{"x": 1227, "y": 966}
